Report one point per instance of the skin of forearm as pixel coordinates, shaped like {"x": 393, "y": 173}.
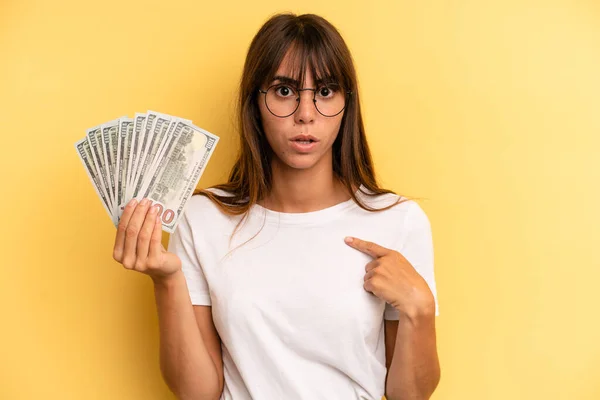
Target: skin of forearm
{"x": 185, "y": 363}
{"x": 415, "y": 371}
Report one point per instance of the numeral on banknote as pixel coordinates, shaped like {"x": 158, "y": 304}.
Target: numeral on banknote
{"x": 166, "y": 215}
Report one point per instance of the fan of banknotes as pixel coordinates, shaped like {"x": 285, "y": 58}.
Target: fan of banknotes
{"x": 153, "y": 155}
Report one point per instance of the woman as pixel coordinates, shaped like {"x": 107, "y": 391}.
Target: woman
{"x": 259, "y": 296}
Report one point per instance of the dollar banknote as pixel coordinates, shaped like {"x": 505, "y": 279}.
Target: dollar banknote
{"x": 109, "y": 142}
{"x": 123, "y": 149}
{"x": 176, "y": 174}
{"x": 139, "y": 121}
{"x": 152, "y": 155}
{"x": 94, "y": 139}
{"x": 85, "y": 155}
{"x": 156, "y": 130}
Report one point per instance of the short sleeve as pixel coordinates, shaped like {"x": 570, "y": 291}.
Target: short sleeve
{"x": 181, "y": 243}
{"x": 417, "y": 248}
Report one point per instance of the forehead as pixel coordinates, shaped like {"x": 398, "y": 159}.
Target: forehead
{"x": 292, "y": 62}
{"x": 300, "y": 64}
{"x": 291, "y": 66}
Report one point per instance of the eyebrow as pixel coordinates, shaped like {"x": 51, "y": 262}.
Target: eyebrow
{"x": 287, "y": 79}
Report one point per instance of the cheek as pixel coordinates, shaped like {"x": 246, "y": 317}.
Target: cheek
{"x": 333, "y": 129}
{"x": 274, "y": 130}
{"x": 270, "y": 122}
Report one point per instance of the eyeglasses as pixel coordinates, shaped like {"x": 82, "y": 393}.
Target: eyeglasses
{"x": 282, "y": 100}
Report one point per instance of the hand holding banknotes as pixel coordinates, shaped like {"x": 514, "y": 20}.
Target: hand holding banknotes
{"x": 138, "y": 242}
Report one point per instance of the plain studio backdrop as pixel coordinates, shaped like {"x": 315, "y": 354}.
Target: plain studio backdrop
{"x": 489, "y": 110}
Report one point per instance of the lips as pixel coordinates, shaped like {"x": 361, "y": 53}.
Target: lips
{"x": 303, "y": 143}
{"x": 304, "y": 138}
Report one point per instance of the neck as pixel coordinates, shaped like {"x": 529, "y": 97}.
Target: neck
{"x": 304, "y": 190}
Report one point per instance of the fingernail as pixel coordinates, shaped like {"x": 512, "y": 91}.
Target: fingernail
{"x": 144, "y": 202}
{"x": 348, "y": 239}
{"x": 132, "y": 203}
{"x": 154, "y": 209}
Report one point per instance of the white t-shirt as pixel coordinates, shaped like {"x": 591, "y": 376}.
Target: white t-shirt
{"x": 289, "y": 306}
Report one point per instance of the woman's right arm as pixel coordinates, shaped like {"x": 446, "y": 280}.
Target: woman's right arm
{"x": 190, "y": 348}
{"x": 190, "y": 353}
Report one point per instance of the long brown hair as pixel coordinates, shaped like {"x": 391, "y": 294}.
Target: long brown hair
{"x": 315, "y": 43}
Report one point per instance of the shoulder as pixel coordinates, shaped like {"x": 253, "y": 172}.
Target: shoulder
{"x": 405, "y": 210}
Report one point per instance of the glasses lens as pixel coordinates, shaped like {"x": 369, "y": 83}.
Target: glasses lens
{"x": 330, "y": 99}
{"x": 282, "y": 100}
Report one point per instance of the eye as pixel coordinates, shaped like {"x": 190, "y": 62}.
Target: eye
{"x": 284, "y": 91}
{"x": 327, "y": 90}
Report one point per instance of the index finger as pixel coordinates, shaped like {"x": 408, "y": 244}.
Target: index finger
{"x": 370, "y": 248}
{"x": 122, "y": 230}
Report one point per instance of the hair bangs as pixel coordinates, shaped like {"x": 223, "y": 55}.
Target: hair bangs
{"x": 309, "y": 53}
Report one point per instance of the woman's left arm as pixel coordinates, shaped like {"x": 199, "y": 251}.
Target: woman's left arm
{"x": 415, "y": 371}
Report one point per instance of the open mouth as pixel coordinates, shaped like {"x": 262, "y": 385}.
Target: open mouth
{"x": 309, "y": 141}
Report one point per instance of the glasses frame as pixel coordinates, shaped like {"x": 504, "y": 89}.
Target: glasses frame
{"x": 347, "y": 96}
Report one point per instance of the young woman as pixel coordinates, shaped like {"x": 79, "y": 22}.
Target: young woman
{"x": 259, "y": 295}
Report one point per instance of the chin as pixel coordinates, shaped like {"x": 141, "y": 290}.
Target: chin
{"x": 301, "y": 162}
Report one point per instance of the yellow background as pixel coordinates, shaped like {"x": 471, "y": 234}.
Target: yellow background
{"x": 488, "y": 109}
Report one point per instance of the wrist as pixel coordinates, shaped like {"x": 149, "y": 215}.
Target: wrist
{"x": 419, "y": 310}
{"x": 167, "y": 280}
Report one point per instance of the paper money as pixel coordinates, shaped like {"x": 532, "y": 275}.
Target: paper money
{"x": 94, "y": 138}
{"x": 178, "y": 171}
{"x": 109, "y": 142}
{"x": 156, "y": 129}
{"x": 85, "y": 155}
{"x": 138, "y": 124}
{"x": 153, "y": 155}
{"x": 144, "y": 138}
{"x": 165, "y": 140}
{"x": 123, "y": 148}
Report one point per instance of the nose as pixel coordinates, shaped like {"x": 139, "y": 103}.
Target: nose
{"x": 306, "y": 109}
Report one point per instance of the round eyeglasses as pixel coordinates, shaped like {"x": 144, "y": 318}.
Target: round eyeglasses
{"x": 283, "y": 99}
